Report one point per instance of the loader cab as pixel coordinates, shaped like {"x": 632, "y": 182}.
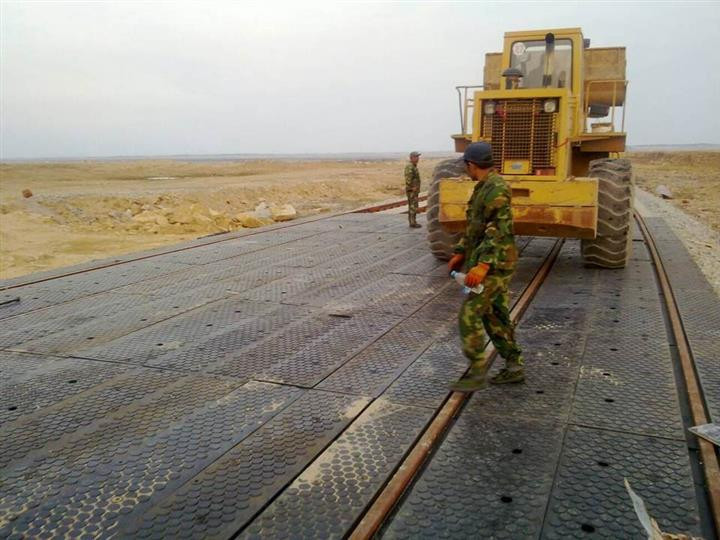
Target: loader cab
{"x": 551, "y": 107}
{"x": 554, "y": 72}
{"x": 543, "y": 63}
{"x": 549, "y": 59}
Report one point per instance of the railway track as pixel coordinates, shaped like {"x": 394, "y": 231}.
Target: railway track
{"x": 387, "y": 500}
{"x": 697, "y": 403}
{"x": 392, "y": 494}
{"x": 384, "y": 389}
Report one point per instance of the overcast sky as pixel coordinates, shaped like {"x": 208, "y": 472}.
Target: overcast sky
{"x": 153, "y": 78}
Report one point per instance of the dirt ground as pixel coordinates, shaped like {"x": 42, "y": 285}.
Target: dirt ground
{"x": 88, "y": 210}
{"x": 692, "y": 177}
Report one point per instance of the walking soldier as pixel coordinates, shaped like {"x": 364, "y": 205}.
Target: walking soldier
{"x": 488, "y": 255}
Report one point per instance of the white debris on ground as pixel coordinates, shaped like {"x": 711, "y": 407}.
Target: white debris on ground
{"x": 265, "y": 214}
{"x": 286, "y": 212}
{"x": 700, "y": 240}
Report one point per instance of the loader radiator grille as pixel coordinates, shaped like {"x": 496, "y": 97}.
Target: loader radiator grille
{"x": 521, "y": 129}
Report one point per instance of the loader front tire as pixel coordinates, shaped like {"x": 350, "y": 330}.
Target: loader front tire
{"x": 441, "y": 242}
{"x": 612, "y": 246}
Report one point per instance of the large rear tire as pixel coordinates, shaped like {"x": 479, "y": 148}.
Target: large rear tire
{"x": 441, "y": 242}
{"x": 613, "y": 244}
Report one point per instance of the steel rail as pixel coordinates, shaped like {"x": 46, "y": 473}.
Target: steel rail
{"x": 285, "y": 225}
{"x": 390, "y": 205}
{"x": 386, "y": 500}
{"x": 697, "y": 404}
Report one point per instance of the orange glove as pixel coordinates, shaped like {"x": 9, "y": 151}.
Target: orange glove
{"x": 455, "y": 262}
{"x": 476, "y": 275}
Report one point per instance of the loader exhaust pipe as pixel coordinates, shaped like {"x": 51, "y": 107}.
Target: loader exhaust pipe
{"x": 549, "y": 59}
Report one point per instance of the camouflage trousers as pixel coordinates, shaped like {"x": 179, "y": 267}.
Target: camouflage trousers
{"x": 412, "y": 197}
{"x": 489, "y": 313}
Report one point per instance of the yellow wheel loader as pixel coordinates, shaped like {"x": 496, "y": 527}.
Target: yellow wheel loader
{"x": 553, "y": 109}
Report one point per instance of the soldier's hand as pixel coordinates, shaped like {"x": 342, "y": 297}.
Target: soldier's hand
{"x": 476, "y": 275}
{"x": 455, "y": 262}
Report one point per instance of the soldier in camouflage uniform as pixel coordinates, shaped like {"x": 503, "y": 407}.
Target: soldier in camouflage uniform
{"x": 488, "y": 255}
{"x": 412, "y": 187}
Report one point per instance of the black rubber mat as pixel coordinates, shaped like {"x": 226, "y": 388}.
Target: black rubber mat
{"x": 699, "y": 307}
{"x": 622, "y": 374}
{"x": 552, "y": 363}
{"x": 706, "y": 353}
{"x": 229, "y": 388}
{"x": 223, "y": 497}
{"x": 375, "y": 368}
{"x": 489, "y": 479}
{"x": 589, "y": 497}
{"x": 325, "y": 500}
{"x": 598, "y": 367}
{"x": 427, "y": 381}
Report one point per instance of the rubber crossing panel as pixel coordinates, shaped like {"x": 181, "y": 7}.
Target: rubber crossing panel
{"x": 589, "y": 497}
{"x": 326, "y": 499}
{"x": 199, "y": 421}
{"x": 489, "y": 479}
{"x": 591, "y": 358}
{"x": 226, "y": 495}
{"x": 699, "y": 307}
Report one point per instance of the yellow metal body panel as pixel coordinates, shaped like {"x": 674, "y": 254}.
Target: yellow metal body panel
{"x": 492, "y": 71}
{"x": 566, "y": 209}
{"x": 547, "y": 199}
{"x": 597, "y": 76}
{"x": 611, "y": 143}
{"x": 605, "y": 66}
{"x": 564, "y": 114}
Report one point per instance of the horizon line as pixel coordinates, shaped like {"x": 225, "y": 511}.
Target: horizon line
{"x": 289, "y": 155}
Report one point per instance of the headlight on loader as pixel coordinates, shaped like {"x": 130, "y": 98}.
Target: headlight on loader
{"x": 550, "y": 106}
{"x": 489, "y": 107}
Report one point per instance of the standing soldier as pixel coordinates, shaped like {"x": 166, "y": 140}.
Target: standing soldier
{"x": 412, "y": 187}
{"x": 487, "y": 254}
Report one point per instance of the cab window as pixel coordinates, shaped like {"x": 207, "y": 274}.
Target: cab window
{"x": 531, "y": 57}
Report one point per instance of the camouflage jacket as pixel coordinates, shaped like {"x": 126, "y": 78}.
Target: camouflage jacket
{"x": 488, "y": 235}
{"x": 412, "y": 177}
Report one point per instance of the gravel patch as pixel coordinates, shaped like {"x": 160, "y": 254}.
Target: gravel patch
{"x": 700, "y": 240}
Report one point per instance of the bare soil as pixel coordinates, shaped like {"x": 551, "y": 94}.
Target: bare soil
{"x": 692, "y": 177}
{"x": 87, "y": 210}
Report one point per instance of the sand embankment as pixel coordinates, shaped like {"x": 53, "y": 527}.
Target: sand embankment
{"x": 88, "y": 210}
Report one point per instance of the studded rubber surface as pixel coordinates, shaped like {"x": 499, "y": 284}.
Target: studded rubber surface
{"x": 223, "y": 498}
{"x": 325, "y": 500}
{"x": 628, "y": 374}
{"x": 269, "y": 383}
{"x": 508, "y": 470}
{"x": 699, "y": 307}
{"x": 188, "y": 394}
{"x": 547, "y": 458}
{"x": 589, "y": 495}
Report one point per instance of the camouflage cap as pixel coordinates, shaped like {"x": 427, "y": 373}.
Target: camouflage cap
{"x": 415, "y": 154}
